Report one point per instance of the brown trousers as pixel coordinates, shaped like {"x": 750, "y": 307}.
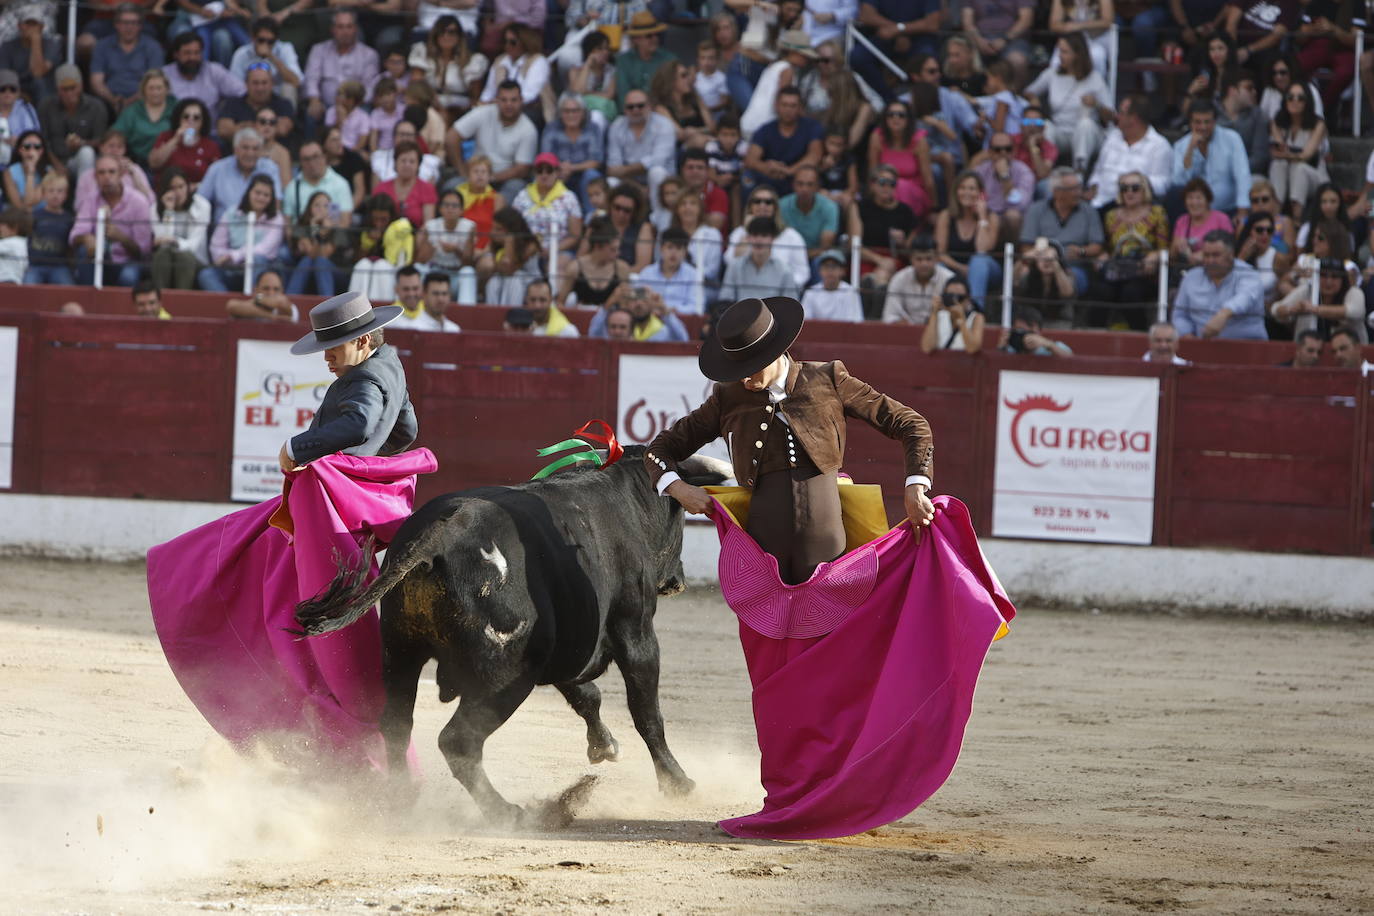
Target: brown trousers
{"x": 794, "y": 514}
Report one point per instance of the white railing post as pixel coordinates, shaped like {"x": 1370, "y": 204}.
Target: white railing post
{"x": 1008, "y": 265}
{"x": 700, "y": 265}
{"x": 1316, "y": 282}
{"x": 1359, "y": 90}
{"x": 553, "y": 256}
{"x": 1162, "y": 304}
{"x": 1114, "y": 55}
{"x": 248, "y": 253}
{"x": 71, "y": 30}
{"x": 856, "y": 35}
{"x": 101, "y": 215}
{"x": 854, "y": 244}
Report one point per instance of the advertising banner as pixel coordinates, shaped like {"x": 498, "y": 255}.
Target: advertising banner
{"x": 275, "y": 397}
{"x": 655, "y": 392}
{"x": 9, "y": 357}
{"x": 1075, "y": 457}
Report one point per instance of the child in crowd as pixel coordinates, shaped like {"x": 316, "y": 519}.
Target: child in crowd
{"x": 385, "y": 115}
{"x": 347, "y": 112}
{"x": 14, "y": 245}
{"x": 839, "y": 174}
{"x": 725, "y": 156}
{"x": 1001, "y": 109}
{"x": 668, "y": 193}
{"x": 598, "y": 198}
{"x": 395, "y": 67}
{"x": 710, "y": 80}
{"x": 49, "y": 252}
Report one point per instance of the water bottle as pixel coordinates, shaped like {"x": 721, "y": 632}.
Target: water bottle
{"x": 467, "y": 286}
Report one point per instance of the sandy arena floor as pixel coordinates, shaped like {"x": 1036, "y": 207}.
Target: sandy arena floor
{"x": 1114, "y": 764}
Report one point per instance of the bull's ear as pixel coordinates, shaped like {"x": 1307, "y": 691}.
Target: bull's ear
{"x": 704, "y": 471}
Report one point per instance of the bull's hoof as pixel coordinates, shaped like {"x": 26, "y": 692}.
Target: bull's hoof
{"x": 599, "y": 753}
{"x": 676, "y": 786}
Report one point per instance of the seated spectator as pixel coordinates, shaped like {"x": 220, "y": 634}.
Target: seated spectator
{"x": 1077, "y": 98}
{"x": 832, "y": 95}
{"x": 635, "y": 68}
{"x": 384, "y": 117}
{"x": 814, "y": 217}
{"x": 383, "y": 161}
{"x": 619, "y": 323}
{"x": 1215, "y": 155}
{"x": 15, "y": 226}
{"x": 1131, "y": 146}
{"x": 348, "y": 114}
{"x": 1328, "y": 240}
{"x": 1341, "y": 304}
{"x": 709, "y": 80}
{"x": 515, "y": 261}
{"x": 550, "y": 209}
{"x": 885, "y": 227}
{"x": 269, "y": 50}
{"x": 148, "y": 116}
{"x": 480, "y": 202}
{"x": 832, "y": 299}
{"x": 794, "y": 55}
{"x": 788, "y": 249}
{"x": 524, "y": 64}
{"x": 445, "y": 243}
{"x": 725, "y": 156}
{"x": 576, "y": 143}
{"x": 231, "y": 240}
{"x": 629, "y": 216}
{"x": 447, "y": 62}
{"x": 319, "y": 247}
{"x": 33, "y": 56}
{"x": 1137, "y": 230}
{"x": 133, "y": 177}
{"x": 547, "y": 319}
{"x": 671, "y": 95}
{"x": 1297, "y": 147}
{"x": 128, "y": 228}
{"x": 1164, "y": 345}
{"x": 395, "y": 67}
{"x": 1282, "y": 73}
{"x": 236, "y": 112}
{"x": 838, "y": 169}
{"x": 1221, "y": 298}
{"x": 1027, "y": 335}
{"x": 706, "y": 243}
{"x": 1256, "y": 248}
{"x": 347, "y": 164}
{"x": 29, "y": 164}
{"x": 651, "y": 320}
{"x": 49, "y": 249}
{"x": 121, "y": 60}
{"x": 192, "y": 77}
{"x": 504, "y": 136}
{"x": 1069, "y": 220}
{"x": 780, "y": 147}
{"x": 1033, "y": 147}
{"x": 758, "y": 274}
{"x": 913, "y": 291}
{"x": 966, "y": 236}
{"x": 641, "y": 144}
{"x": 668, "y": 193}
{"x": 1000, "y": 30}
{"x": 73, "y": 121}
{"x": 1345, "y": 347}
{"x": 316, "y": 177}
{"x": 409, "y": 293}
{"x": 187, "y": 145}
{"x": 672, "y": 279}
{"x": 1241, "y": 113}
{"x": 598, "y": 198}
{"x": 594, "y": 79}
{"x": 1042, "y": 277}
{"x": 1307, "y": 351}
{"x": 331, "y": 63}
{"x": 17, "y": 114}
{"x": 226, "y": 180}
{"x": 272, "y": 147}
{"x": 147, "y": 300}
{"x": 591, "y": 279}
{"x": 695, "y": 172}
{"x": 1263, "y": 200}
{"x": 1007, "y": 184}
{"x": 433, "y": 125}
{"x": 1197, "y": 221}
{"x": 430, "y": 314}
{"x": 416, "y": 199}
{"x": 384, "y": 243}
{"x": 268, "y": 302}
{"x": 180, "y": 233}
{"x": 897, "y": 143}
{"x": 1325, "y": 205}
{"x": 956, "y": 323}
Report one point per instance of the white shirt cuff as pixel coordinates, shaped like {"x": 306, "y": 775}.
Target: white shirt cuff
{"x": 922, "y": 479}
{"x": 289, "y": 453}
{"x": 666, "y": 481}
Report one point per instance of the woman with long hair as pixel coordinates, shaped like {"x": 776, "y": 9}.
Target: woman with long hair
{"x": 448, "y": 65}
{"x": 1078, "y": 100}
{"x": 1327, "y": 240}
{"x": 523, "y": 60}
{"x": 320, "y": 249}
{"x": 629, "y": 213}
{"x": 966, "y": 234}
{"x": 831, "y": 94}
{"x": 1093, "y": 20}
{"x": 1339, "y": 304}
{"x": 1263, "y": 200}
{"x": 897, "y": 142}
{"x": 1137, "y": 230}
{"x": 1281, "y": 73}
{"x": 229, "y": 242}
{"x": 148, "y": 116}
{"x": 180, "y": 233}
{"x": 29, "y": 162}
{"x": 689, "y": 215}
{"x": 590, "y": 279}
{"x": 1210, "y": 61}
{"x": 1255, "y": 246}
{"x": 1297, "y": 143}
{"x": 188, "y": 144}
{"x": 515, "y": 260}
{"x": 1325, "y": 205}
{"x": 672, "y": 95}
{"x": 594, "y": 78}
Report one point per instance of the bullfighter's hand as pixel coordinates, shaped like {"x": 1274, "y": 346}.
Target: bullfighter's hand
{"x": 693, "y": 499}
{"x": 288, "y": 464}
{"x": 919, "y": 509}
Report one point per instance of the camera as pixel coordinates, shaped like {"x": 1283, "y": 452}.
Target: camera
{"x": 1016, "y": 340}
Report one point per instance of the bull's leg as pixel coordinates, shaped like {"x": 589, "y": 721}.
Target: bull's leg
{"x": 477, "y": 716}
{"x": 635, "y": 649}
{"x": 402, "y": 662}
{"x": 585, "y": 699}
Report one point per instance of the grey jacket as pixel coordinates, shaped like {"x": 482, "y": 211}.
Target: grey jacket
{"x": 365, "y": 412}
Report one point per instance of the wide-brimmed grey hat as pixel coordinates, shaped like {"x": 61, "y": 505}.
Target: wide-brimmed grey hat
{"x": 345, "y": 317}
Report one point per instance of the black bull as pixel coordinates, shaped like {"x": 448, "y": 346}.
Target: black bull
{"x": 513, "y": 587}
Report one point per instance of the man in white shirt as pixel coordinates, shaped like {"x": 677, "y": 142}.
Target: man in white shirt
{"x": 1132, "y": 146}
{"x": 429, "y": 315}
{"x": 504, "y": 135}
{"x": 832, "y": 299}
{"x": 641, "y": 145}
{"x": 1164, "y": 345}
{"x": 671, "y": 277}
{"x": 912, "y": 290}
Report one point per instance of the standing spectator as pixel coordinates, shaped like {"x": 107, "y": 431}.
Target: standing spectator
{"x": 1340, "y": 305}
{"x": 672, "y": 95}
{"x": 576, "y": 143}
{"x": 336, "y": 61}
{"x": 956, "y": 323}
{"x": 1077, "y": 98}
{"x": 629, "y": 216}
{"x": 226, "y": 181}
{"x": 1215, "y": 155}
{"x": 321, "y": 248}
{"x": 779, "y": 148}
{"x": 1221, "y": 298}
{"x": 966, "y": 236}
{"x": 180, "y": 233}
{"x": 504, "y": 135}
{"x": 445, "y": 242}
{"x": 549, "y": 207}
{"x": 594, "y": 80}
{"x": 33, "y": 56}
{"x": 187, "y": 145}
{"x": 635, "y": 68}
{"x": 240, "y": 111}
{"x": 315, "y": 177}
{"x": 73, "y": 121}
{"x": 416, "y": 199}
{"x": 706, "y": 243}
{"x": 1258, "y": 26}
{"x": 279, "y": 58}
{"x": 49, "y": 248}
{"x": 29, "y": 164}
{"x": 1326, "y": 39}
{"x": 445, "y": 61}
{"x": 794, "y": 54}
{"x": 999, "y": 29}
{"x": 885, "y": 225}
{"x": 671, "y": 278}
{"x": 1137, "y": 230}
{"x": 1008, "y": 185}
{"x": 480, "y": 201}
{"x": 148, "y": 116}
{"x": 758, "y": 274}
{"x": 788, "y": 247}
{"x": 1132, "y": 146}
{"x": 1297, "y": 145}
{"x": 816, "y": 218}
{"x": 896, "y": 142}
{"x": 524, "y": 64}
{"x": 120, "y": 60}
{"x": 1093, "y": 20}
{"x": 128, "y": 228}
{"x": 1164, "y": 345}
{"x": 230, "y": 241}
{"x": 832, "y": 299}
{"x": 913, "y": 291}
{"x": 1197, "y": 222}
{"x": 641, "y": 145}
{"x": 1069, "y": 220}
{"x": 191, "y": 77}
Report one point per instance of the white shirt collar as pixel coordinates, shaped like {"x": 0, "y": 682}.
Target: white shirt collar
{"x": 777, "y": 391}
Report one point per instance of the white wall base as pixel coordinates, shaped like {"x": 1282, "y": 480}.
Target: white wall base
{"x": 1034, "y": 572}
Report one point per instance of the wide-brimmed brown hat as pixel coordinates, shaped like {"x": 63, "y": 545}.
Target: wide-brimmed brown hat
{"x": 342, "y": 318}
{"x": 644, "y": 23}
{"x": 748, "y": 336}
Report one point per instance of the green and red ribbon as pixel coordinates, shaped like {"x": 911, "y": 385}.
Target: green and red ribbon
{"x": 583, "y": 453}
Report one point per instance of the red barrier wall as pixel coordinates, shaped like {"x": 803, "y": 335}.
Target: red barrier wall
{"x": 1249, "y": 457}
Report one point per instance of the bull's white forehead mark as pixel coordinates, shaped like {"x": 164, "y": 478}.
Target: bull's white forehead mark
{"x": 496, "y": 559}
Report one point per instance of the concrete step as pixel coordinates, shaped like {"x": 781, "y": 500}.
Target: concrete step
{"x": 1349, "y": 156}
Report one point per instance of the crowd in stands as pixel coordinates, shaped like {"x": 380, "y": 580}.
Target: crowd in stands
{"x": 549, "y": 155}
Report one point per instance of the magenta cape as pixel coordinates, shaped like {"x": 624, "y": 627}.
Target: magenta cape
{"x": 224, "y": 595}
{"x": 864, "y": 675}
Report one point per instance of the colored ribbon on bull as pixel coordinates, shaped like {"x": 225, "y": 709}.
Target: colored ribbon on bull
{"x": 613, "y": 449}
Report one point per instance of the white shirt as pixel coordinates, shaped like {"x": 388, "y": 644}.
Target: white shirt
{"x": 1178, "y": 360}
{"x": 789, "y": 248}
{"x": 503, "y": 145}
{"x": 532, "y": 75}
{"x": 761, "y": 110}
{"x": 384, "y": 166}
{"x": 14, "y": 259}
{"x": 838, "y": 304}
{"x": 1151, "y": 155}
{"x": 424, "y": 321}
{"x": 843, "y": 10}
{"x": 712, "y": 88}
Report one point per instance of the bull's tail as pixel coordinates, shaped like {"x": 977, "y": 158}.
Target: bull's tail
{"x": 348, "y": 598}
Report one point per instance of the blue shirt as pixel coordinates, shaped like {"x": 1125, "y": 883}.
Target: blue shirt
{"x": 1226, "y": 167}
{"x": 589, "y": 147}
{"x": 673, "y": 330}
{"x": 824, "y": 216}
{"x": 123, "y": 72}
{"x": 787, "y": 150}
{"x": 223, "y": 184}
{"x": 679, "y": 293}
{"x": 1242, "y": 291}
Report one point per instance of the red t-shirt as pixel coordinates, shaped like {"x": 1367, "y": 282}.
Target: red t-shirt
{"x": 413, "y": 207}
{"x": 193, "y": 159}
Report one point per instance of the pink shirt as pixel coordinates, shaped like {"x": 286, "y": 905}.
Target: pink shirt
{"x": 412, "y": 208}
{"x": 1185, "y": 228}
{"x": 385, "y": 125}
{"x": 354, "y": 128}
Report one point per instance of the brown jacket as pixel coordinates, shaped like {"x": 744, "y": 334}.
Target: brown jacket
{"x": 819, "y": 397}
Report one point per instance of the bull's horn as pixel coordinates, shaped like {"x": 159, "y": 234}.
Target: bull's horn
{"x": 704, "y": 465}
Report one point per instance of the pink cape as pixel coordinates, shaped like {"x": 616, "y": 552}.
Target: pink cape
{"x": 224, "y": 595}
{"x": 864, "y": 675}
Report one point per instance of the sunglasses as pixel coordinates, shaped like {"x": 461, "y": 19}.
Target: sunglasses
{"x": 1280, "y": 71}
{"x": 621, "y": 208}
{"x": 191, "y": 116}
{"x": 770, "y": 201}
{"x": 885, "y": 182}
{"x": 1263, "y": 230}
{"x": 825, "y": 60}
{"x": 37, "y": 146}
{"x": 9, "y": 88}
{"x": 634, "y": 106}
{"x": 544, "y": 169}
{"x": 268, "y": 122}
{"x": 1297, "y": 97}
{"x": 1001, "y": 148}
{"x": 1132, "y": 187}
{"x": 896, "y": 113}
{"x": 512, "y": 42}
{"x": 954, "y": 298}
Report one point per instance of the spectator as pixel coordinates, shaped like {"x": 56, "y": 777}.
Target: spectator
{"x": 1027, "y": 335}
{"x": 301, "y": 21}
{"x": 180, "y": 233}
{"x": 1328, "y": 240}
{"x": 29, "y": 163}
{"x": 505, "y": 136}
{"x": 409, "y": 293}
{"x": 998, "y": 29}
{"x": 384, "y": 243}
{"x": 430, "y": 316}
{"x": 268, "y": 302}
{"x": 696, "y": 178}
{"x": 522, "y": 64}
{"x": 814, "y": 217}
{"x": 1326, "y": 39}
{"x": 1007, "y": 186}
{"x": 112, "y": 144}
{"x": 832, "y": 299}
{"x": 187, "y": 145}
{"x": 237, "y": 112}
{"x": 709, "y": 82}
{"x": 898, "y": 28}
{"x": 121, "y": 60}
{"x": 445, "y": 242}
{"x": 1194, "y": 225}
{"x": 16, "y": 115}
{"x": 795, "y": 53}
{"x": 1211, "y": 60}
{"x": 446, "y": 61}
{"x": 1284, "y": 72}
{"x": 514, "y": 262}
{"x": 128, "y": 228}
{"x": 839, "y": 171}
{"x": 741, "y": 71}
{"x": 383, "y": 161}
{"x": 576, "y": 143}
{"x": 897, "y": 143}
{"x": 671, "y": 94}
{"x": 963, "y": 70}
{"x": 1326, "y": 206}
{"x": 1069, "y": 220}
{"x": 913, "y": 291}
{"x": 147, "y": 300}
{"x": 416, "y": 199}
{"x": 885, "y": 226}
{"x": 480, "y": 202}
{"x": 619, "y": 324}
{"x": 1307, "y": 351}
{"x": 954, "y": 108}
{"x": 348, "y": 114}
{"x": 1223, "y": 297}
{"x": 230, "y": 241}
{"x": 1256, "y": 248}
{"x": 641, "y": 144}
{"x": 1077, "y": 98}
{"x": 635, "y": 68}
{"x": 725, "y": 158}
{"x": 1263, "y": 200}
{"x": 226, "y": 181}
{"x": 956, "y": 323}
{"x": 946, "y": 146}
{"x": 148, "y": 116}
{"x": 591, "y": 279}
{"x": 1240, "y": 113}
{"x": 1132, "y": 146}
{"x": 1000, "y": 107}
{"x": 1341, "y": 304}
{"x": 759, "y": 273}
{"x": 629, "y": 217}
{"x": 317, "y": 177}
{"x": 331, "y": 63}
{"x": 71, "y": 308}
{"x": 49, "y": 249}
{"x": 396, "y": 67}
{"x": 1034, "y": 148}
{"x": 432, "y": 126}
{"x": 1164, "y": 345}
{"x": 1297, "y": 144}
{"x": 967, "y": 234}
{"x": 594, "y": 79}
{"x": 549, "y": 207}
{"x": 672, "y": 279}
{"x": 548, "y": 319}
{"x": 1345, "y": 347}
{"x": 346, "y": 163}
{"x": 33, "y": 56}
{"x": 1042, "y": 277}
{"x": 651, "y": 320}
{"x": 706, "y": 242}
{"x": 15, "y": 226}
{"x": 73, "y": 121}
{"x": 268, "y": 50}
{"x": 1137, "y": 230}
{"x": 1257, "y": 26}
{"x": 1215, "y": 155}
{"x": 788, "y": 248}
{"x": 221, "y": 27}
{"x": 1093, "y": 20}
{"x": 319, "y": 247}
{"x": 191, "y": 77}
